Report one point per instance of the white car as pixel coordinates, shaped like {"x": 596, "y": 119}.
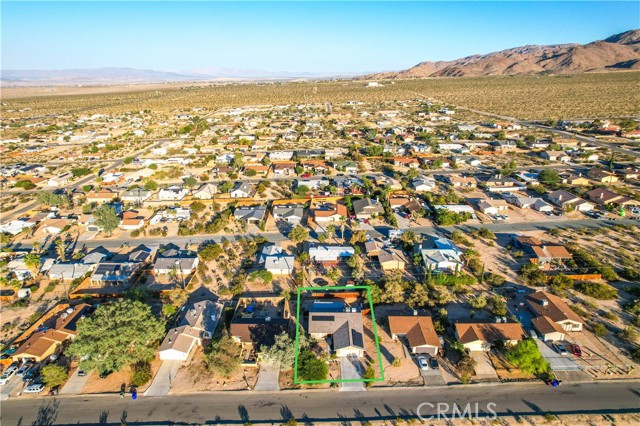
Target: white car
{"x": 7, "y": 375}
{"x": 34, "y": 388}
{"x": 422, "y": 362}
{"x": 560, "y": 349}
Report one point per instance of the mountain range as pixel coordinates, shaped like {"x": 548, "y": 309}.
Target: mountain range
{"x": 618, "y": 52}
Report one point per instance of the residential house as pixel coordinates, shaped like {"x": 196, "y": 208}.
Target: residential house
{"x": 175, "y": 261}
{"x": 392, "y": 259}
{"x": 136, "y": 195}
{"x": 568, "y": 201}
{"x": 328, "y": 212}
{"x": 544, "y": 304}
{"x": 54, "y": 226}
{"x": 492, "y": 207}
{"x": 500, "y": 183}
{"x": 529, "y": 203}
{"x": 423, "y": 184}
{"x": 541, "y": 253}
{"x": 290, "y": 213}
{"x": 573, "y": 179}
{"x": 344, "y": 328}
{"x": 560, "y": 156}
{"x": 418, "y": 332}
{"x": 206, "y": 191}
{"x": 602, "y": 176}
{"x": 257, "y": 320}
{"x": 548, "y": 329}
{"x": 366, "y": 208}
{"x": 328, "y": 255}
{"x": 172, "y": 193}
{"x": 458, "y": 181}
{"x": 251, "y": 214}
{"x": 102, "y": 196}
{"x": 42, "y": 344}
{"x": 197, "y": 323}
{"x": 478, "y": 337}
{"x": 68, "y": 271}
{"x": 283, "y": 169}
{"x": 243, "y": 190}
{"x": 346, "y": 166}
{"x": 409, "y": 162}
{"x": 603, "y": 197}
{"x": 439, "y": 253}
{"x": 60, "y": 181}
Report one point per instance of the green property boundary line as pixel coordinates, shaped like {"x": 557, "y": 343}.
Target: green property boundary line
{"x": 375, "y": 334}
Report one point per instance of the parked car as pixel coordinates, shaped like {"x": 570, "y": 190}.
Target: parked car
{"x": 82, "y": 373}
{"x": 576, "y": 350}
{"x": 8, "y": 374}
{"x": 24, "y": 368}
{"x": 422, "y": 363}
{"x": 34, "y": 388}
{"x": 560, "y": 349}
{"x": 433, "y": 363}
{"x": 31, "y": 374}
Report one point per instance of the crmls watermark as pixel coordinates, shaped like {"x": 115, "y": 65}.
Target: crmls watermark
{"x": 445, "y": 410}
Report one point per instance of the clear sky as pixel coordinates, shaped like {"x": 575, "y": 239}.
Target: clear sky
{"x": 328, "y": 37}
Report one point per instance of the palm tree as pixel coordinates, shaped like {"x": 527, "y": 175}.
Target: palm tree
{"x": 331, "y": 231}
{"x": 61, "y": 249}
{"x": 33, "y": 262}
{"x": 36, "y": 246}
{"x": 343, "y": 221}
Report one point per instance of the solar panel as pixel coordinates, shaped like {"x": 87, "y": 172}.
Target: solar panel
{"x": 323, "y": 318}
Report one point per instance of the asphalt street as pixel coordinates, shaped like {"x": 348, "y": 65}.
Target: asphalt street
{"x": 278, "y": 236}
{"x": 324, "y": 406}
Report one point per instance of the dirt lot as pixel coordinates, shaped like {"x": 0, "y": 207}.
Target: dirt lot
{"x": 114, "y": 381}
{"x": 196, "y": 377}
{"x": 406, "y": 373}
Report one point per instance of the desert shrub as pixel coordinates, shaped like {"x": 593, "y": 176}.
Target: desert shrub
{"x": 596, "y": 290}
{"x": 140, "y": 374}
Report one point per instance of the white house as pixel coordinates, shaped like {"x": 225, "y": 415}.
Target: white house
{"x": 172, "y": 193}
{"x": 198, "y": 322}
{"x": 242, "y": 190}
{"x": 440, "y": 253}
{"x": 206, "y": 191}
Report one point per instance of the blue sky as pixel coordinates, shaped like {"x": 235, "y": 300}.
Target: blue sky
{"x": 329, "y": 37}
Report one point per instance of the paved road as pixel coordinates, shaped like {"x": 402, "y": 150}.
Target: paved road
{"x": 321, "y": 407}
{"x": 277, "y": 236}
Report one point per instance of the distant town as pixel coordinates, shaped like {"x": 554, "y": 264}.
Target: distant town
{"x": 340, "y": 246}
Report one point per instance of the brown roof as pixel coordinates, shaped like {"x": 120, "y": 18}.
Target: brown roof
{"x": 549, "y": 251}
{"x": 338, "y": 209}
{"x": 40, "y": 343}
{"x": 546, "y": 325}
{"x": 68, "y": 324}
{"x": 418, "y": 329}
{"x": 488, "y": 332}
{"x": 556, "y": 309}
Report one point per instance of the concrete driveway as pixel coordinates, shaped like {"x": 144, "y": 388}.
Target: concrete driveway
{"x": 484, "y": 368}
{"x": 268, "y": 377}
{"x": 161, "y": 384}
{"x": 558, "y": 362}
{"x": 350, "y": 369}
{"x": 431, "y": 377}
{"x": 75, "y": 384}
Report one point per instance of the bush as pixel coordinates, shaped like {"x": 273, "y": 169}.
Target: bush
{"x": 526, "y": 356}
{"x": 629, "y": 334}
{"x": 310, "y": 367}
{"x": 599, "y": 330}
{"x": 54, "y": 375}
{"x": 223, "y": 356}
{"x": 141, "y": 374}
{"x": 210, "y": 252}
{"x": 494, "y": 280}
{"x": 597, "y": 290}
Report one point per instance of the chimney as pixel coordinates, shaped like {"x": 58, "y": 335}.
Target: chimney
{"x": 544, "y": 302}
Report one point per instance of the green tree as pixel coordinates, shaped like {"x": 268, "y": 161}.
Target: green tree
{"x": 80, "y": 171}
{"x": 302, "y": 190}
{"x": 498, "y": 306}
{"x": 54, "y": 375}
{"x": 191, "y": 182}
{"x": 526, "y": 356}
{"x": 283, "y": 350}
{"x": 51, "y": 199}
{"x": 549, "y": 177}
{"x": 117, "y": 334}
{"x": 560, "y": 284}
{"x": 419, "y": 296}
{"x": 25, "y": 184}
{"x": 298, "y": 234}
{"x": 210, "y": 252}
{"x": 128, "y": 160}
{"x": 310, "y": 367}
{"x": 106, "y": 218}
{"x": 478, "y": 302}
{"x": 532, "y": 275}
{"x": 150, "y": 185}
{"x": 223, "y": 356}
{"x": 359, "y": 236}
{"x": 33, "y": 262}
